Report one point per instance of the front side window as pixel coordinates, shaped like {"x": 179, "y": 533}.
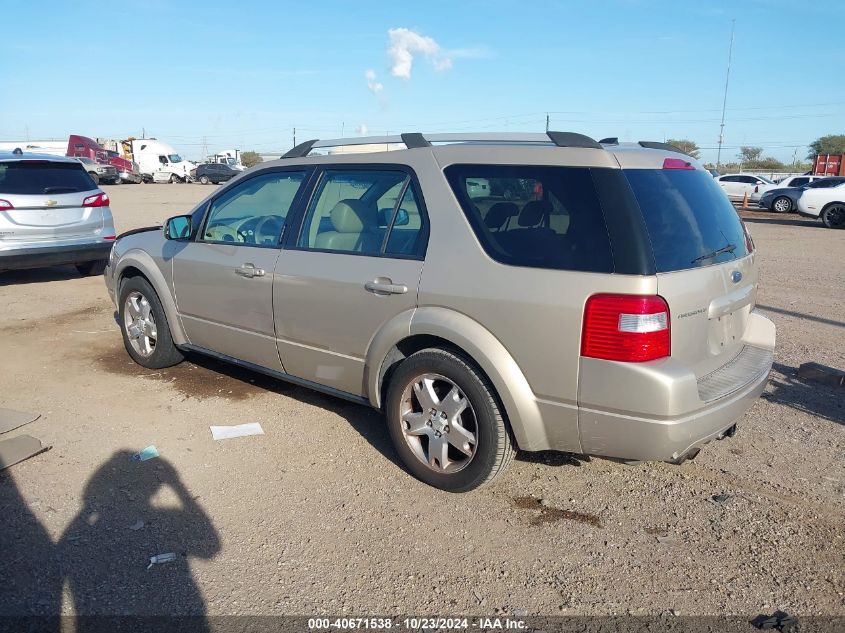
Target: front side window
{"x": 536, "y": 216}
{"x": 367, "y": 212}
{"x": 253, "y": 212}
{"x": 797, "y": 182}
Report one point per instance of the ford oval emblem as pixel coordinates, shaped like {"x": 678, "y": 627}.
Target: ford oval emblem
{"x": 736, "y": 276}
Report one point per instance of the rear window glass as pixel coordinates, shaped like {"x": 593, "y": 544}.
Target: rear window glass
{"x": 689, "y": 219}
{"x": 536, "y": 216}
{"x": 36, "y": 177}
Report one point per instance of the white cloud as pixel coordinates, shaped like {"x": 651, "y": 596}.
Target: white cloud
{"x": 406, "y": 44}
{"x": 372, "y": 84}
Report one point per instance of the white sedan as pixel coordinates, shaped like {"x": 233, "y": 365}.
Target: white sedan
{"x": 827, "y": 204}
{"x": 736, "y": 186}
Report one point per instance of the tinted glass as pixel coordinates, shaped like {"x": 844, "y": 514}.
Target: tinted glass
{"x": 797, "y": 182}
{"x": 43, "y": 177}
{"x": 536, "y": 216}
{"x": 688, "y": 218}
{"x": 253, "y": 212}
{"x": 826, "y": 183}
{"x": 344, "y": 213}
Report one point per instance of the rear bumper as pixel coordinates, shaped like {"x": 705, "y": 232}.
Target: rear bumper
{"x": 128, "y": 176}
{"x": 684, "y": 412}
{"x": 41, "y": 256}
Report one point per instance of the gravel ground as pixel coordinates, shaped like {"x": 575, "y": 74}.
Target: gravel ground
{"x": 317, "y": 517}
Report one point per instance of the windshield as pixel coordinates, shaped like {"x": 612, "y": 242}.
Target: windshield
{"x": 231, "y": 161}
{"x": 174, "y": 158}
{"x": 689, "y": 219}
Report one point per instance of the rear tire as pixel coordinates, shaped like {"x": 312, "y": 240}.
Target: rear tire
{"x": 88, "y": 269}
{"x": 782, "y": 204}
{"x": 147, "y": 340}
{"x": 833, "y": 216}
{"x": 478, "y": 445}
{"x": 204, "y": 180}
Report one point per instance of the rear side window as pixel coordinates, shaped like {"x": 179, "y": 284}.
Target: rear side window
{"x": 43, "y": 177}
{"x": 535, "y": 216}
{"x": 689, "y": 219}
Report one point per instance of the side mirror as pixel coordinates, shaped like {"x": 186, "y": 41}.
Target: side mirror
{"x": 178, "y": 228}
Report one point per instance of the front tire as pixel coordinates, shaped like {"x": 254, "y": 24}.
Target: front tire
{"x": 204, "y": 180}
{"x": 445, "y": 421}
{"x": 782, "y": 204}
{"x": 143, "y": 324}
{"x": 833, "y": 216}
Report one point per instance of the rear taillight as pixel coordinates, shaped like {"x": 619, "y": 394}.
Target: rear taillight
{"x": 5, "y": 204}
{"x": 677, "y": 163}
{"x": 749, "y": 243}
{"x": 627, "y": 328}
{"x": 99, "y": 200}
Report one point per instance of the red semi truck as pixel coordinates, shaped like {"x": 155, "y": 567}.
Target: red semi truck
{"x": 83, "y": 146}
{"x": 829, "y": 165}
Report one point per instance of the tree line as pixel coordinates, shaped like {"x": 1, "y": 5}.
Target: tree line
{"x": 751, "y": 157}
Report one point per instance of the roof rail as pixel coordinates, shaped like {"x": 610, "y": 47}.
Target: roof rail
{"x": 414, "y": 140}
{"x": 664, "y": 146}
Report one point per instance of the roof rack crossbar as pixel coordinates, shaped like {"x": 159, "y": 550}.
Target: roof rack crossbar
{"x": 413, "y": 140}
{"x": 664, "y": 146}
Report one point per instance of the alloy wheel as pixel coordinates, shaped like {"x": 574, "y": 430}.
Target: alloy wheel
{"x": 140, "y": 325}
{"x": 438, "y": 423}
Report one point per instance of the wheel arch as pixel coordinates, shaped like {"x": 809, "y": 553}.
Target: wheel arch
{"x": 440, "y": 327}
{"x": 137, "y": 263}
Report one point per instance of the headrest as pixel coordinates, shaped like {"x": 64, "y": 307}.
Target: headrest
{"x": 499, "y": 213}
{"x": 352, "y": 216}
{"x": 534, "y": 212}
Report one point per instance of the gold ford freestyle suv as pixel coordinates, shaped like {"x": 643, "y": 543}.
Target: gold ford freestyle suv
{"x": 487, "y": 292}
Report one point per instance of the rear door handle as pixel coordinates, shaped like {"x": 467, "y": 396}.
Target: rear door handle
{"x": 384, "y": 286}
{"x": 249, "y": 271}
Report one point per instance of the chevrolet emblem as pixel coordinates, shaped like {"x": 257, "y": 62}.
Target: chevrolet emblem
{"x": 51, "y": 203}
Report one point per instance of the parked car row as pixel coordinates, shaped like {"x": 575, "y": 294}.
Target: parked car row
{"x": 823, "y": 196}
{"x": 214, "y": 173}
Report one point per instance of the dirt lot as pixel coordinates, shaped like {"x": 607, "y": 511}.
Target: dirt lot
{"x": 318, "y": 517}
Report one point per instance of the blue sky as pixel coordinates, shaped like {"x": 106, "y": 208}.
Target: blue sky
{"x": 244, "y": 74}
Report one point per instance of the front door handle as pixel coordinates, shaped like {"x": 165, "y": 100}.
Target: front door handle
{"x": 249, "y": 271}
{"x": 385, "y": 286}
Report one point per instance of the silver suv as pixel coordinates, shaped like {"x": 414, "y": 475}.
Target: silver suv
{"x": 51, "y": 212}
{"x": 604, "y": 306}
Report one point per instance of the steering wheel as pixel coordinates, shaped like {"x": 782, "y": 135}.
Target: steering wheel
{"x": 246, "y": 231}
{"x": 221, "y": 233}
{"x": 269, "y": 227}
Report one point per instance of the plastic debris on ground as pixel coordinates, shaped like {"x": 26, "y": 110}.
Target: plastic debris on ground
{"x": 11, "y": 419}
{"x": 241, "y": 430}
{"x": 17, "y": 449}
{"x": 162, "y": 558}
{"x": 137, "y": 525}
{"x": 150, "y": 452}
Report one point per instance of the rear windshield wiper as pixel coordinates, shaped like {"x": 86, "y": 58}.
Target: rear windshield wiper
{"x": 61, "y": 189}
{"x": 730, "y": 248}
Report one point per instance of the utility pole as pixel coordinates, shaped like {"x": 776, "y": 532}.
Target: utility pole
{"x": 204, "y": 148}
{"x": 294, "y": 137}
{"x": 725, "y": 99}
{"x": 547, "y": 121}
{"x": 143, "y": 132}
